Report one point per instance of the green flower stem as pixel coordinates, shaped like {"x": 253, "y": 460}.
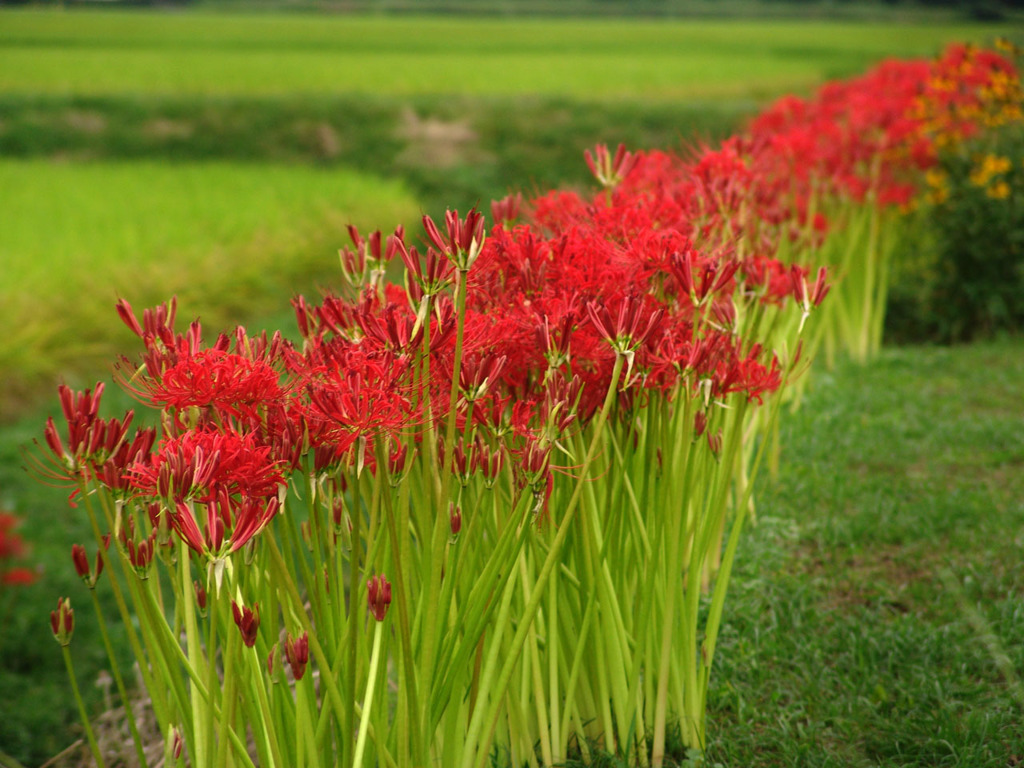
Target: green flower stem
{"x": 115, "y": 668}
{"x": 535, "y": 670}
{"x": 616, "y": 656}
{"x": 673, "y": 566}
{"x": 554, "y": 717}
{"x": 576, "y": 668}
{"x": 478, "y": 609}
{"x": 438, "y": 529}
{"x": 263, "y": 725}
{"x": 408, "y": 722}
{"x": 355, "y": 589}
{"x": 93, "y": 746}
{"x": 863, "y": 345}
{"x": 164, "y": 651}
{"x": 490, "y": 714}
{"x": 195, "y": 654}
{"x": 326, "y": 674}
{"x": 229, "y": 696}
{"x": 319, "y": 597}
{"x": 722, "y": 582}
{"x": 364, "y": 729}
{"x": 305, "y": 713}
{"x": 122, "y": 606}
{"x": 214, "y": 605}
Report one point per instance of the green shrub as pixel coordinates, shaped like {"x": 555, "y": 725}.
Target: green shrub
{"x": 962, "y": 266}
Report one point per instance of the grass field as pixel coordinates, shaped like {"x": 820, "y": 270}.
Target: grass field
{"x": 230, "y": 240}
{"x": 877, "y": 619}
{"x": 103, "y": 53}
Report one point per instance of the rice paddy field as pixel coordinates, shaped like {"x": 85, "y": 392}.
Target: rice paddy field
{"x": 219, "y": 158}
{"x": 105, "y": 53}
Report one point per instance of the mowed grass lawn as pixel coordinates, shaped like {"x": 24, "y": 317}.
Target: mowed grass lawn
{"x": 104, "y": 53}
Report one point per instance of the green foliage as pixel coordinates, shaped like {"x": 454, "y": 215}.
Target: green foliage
{"x": 964, "y": 270}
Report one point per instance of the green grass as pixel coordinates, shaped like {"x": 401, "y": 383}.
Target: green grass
{"x": 104, "y": 53}
{"x": 876, "y": 619}
{"x": 230, "y": 240}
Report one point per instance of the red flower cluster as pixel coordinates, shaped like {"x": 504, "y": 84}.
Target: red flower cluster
{"x": 662, "y": 274}
{"x": 12, "y": 548}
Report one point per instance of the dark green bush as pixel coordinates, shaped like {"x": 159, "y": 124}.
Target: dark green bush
{"x": 961, "y": 275}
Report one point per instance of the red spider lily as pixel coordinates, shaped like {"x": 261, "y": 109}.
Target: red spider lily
{"x": 89, "y": 439}
{"x": 378, "y": 591}
{"x": 699, "y": 277}
{"x": 11, "y": 544}
{"x": 393, "y": 328}
{"x": 425, "y": 281}
{"x": 464, "y": 241}
{"x": 18, "y": 577}
{"x": 609, "y": 170}
{"x": 736, "y": 372}
{"x": 12, "y": 547}
{"x": 357, "y": 401}
{"x": 157, "y": 325}
{"x": 248, "y": 621}
{"x": 228, "y": 526}
{"x": 505, "y": 211}
{"x": 204, "y": 464}
{"x": 228, "y": 383}
{"x": 478, "y": 373}
{"x": 140, "y": 553}
{"x": 112, "y": 473}
{"x": 632, "y": 325}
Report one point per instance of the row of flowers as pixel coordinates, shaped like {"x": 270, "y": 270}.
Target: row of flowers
{"x": 497, "y": 506}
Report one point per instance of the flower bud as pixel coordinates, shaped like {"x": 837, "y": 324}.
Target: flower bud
{"x": 248, "y": 622}
{"x": 297, "y": 651}
{"x": 200, "y": 591}
{"x": 177, "y": 743}
{"x": 455, "y": 518}
{"x": 379, "y": 591}
{"x": 62, "y": 621}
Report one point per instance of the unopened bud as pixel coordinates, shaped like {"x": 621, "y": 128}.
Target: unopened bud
{"x": 297, "y": 651}
{"x": 379, "y": 593}
{"x": 62, "y": 621}
{"x": 200, "y": 591}
{"x": 248, "y": 622}
{"x": 455, "y": 518}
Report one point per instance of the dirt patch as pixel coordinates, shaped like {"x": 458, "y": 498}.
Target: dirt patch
{"x": 435, "y": 143}
{"x": 85, "y": 121}
{"x": 163, "y": 128}
{"x": 893, "y": 577}
{"x": 319, "y": 138}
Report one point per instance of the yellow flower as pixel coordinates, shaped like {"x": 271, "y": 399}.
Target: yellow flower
{"x": 998, "y": 191}
{"x": 990, "y": 165}
{"x": 999, "y": 164}
{"x": 936, "y": 177}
